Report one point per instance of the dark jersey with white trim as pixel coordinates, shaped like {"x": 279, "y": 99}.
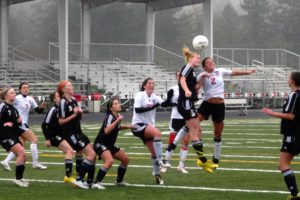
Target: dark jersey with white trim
{"x": 110, "y": 138}
{"x": 292, "y": 105}
{"x": 66, "y": 109}
{"x": 50, "y": 124}
{"x": 188, "y": 72}
{"x": 8, "y": 113}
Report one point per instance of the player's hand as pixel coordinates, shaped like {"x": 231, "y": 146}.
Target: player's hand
{"x": 120, "y": 117}
{"x": 48, "y": 143}
{"x": 188, "y": 93}
{"x": 43, "y": 105}
{"x": 8, "y": 124}
{"x": 267, "y": 111}
{"x": 252, "y": 71}
{"x": 19, "y": 120}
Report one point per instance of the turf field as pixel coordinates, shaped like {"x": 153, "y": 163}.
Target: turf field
{"x": 248, "y": 169}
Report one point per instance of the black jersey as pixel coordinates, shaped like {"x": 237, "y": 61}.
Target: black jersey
{"x": 50, "y": 125}
{"x": 8, "y": 113}
{"x": 188, "y": 72}
{"x": 292, "y": 105}
{"x": 109, "y": 139}
{"x": 66, "y": 109}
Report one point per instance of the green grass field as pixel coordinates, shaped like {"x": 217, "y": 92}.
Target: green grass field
{"x": 248, "y": 168}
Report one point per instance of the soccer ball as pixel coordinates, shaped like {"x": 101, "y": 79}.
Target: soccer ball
{"x": 200, "y": 42}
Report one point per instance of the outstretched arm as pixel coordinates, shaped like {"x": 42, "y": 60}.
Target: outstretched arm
{"x": 243, "y": 72}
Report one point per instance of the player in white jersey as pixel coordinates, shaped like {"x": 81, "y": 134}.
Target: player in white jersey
{"x": 213, "y": 101}
{"x": 176, "y": 123}
{"x": 23, "y": 104}
{"x": 143, "y": 123}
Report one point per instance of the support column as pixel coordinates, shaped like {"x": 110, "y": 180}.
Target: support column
{"x": 208, "y": 26}
{"x": 4, "y": 33}
{"x": 85, "y": 32}
{"x": 63, "y": 35}
{"x": 150, "y": 32}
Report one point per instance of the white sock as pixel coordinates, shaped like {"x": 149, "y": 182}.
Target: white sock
{"x": 169, "y": 155}
{"x": 156, "y": 168}
{"x": 9, "y": 157}
{"x": 157, "y": 145}
{"x": 217, "y": 150}
{"x": 181, "y": 133}
{"x": 34, "y": 153}
{"x": 183, "y": 155}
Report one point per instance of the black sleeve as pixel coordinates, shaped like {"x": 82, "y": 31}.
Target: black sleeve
{"x": 45, "y": 128}
{"x": 168, "y": 102}
{"x": 142, "y": 110}
{"x": 39, "y": 110}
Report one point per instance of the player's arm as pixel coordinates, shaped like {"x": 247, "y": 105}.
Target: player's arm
{"x": 168, "y": 101}
{"x": 288, "y": 116}
{"x": 111, "y": 126}
{"x": 243, "y": 72}
{"x": 63, "y": 120}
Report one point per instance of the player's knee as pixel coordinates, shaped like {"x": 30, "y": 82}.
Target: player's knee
{"x": 109, "y": 162}
{"x": 125, "y": 161}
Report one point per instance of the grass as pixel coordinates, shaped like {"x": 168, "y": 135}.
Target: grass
{"x": 248, "y": 168}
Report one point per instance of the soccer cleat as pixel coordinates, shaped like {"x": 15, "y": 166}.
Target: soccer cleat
{"x": 166, "y": 164}
{"x": 69, "y": 179}
{"x": 207, "y": 166}
{"x": 163, "y": 169}
{"x": 215, "y": 161}
{"x": 290, "y": 197}
{"x": 159, "y": 179}
{"x": 21, "y": 183}
{"x": 39, "y": 166}
{"x": 122, "y": 183}
{"x": 182, "y": 170}
{"x": 5, "y": 165}
{"x": 80, "y": 184}
{"x": 98, "y": 186}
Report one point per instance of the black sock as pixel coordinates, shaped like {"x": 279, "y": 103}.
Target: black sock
{"x": 290, "y": 181}
{"x": 86, "y": 167}
{"x": 91, "y": 174}
{"x": 121, "y": 173}
{"x": 198, "y": 146}
{"x": 19, "y": 171}
{"x": 68, "y": 167}
{"x": 101, "y": 174}
{"x": 79, "y": 160}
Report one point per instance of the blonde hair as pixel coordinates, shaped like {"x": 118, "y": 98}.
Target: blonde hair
{"x": 188, "y": 54}
{"x": 3, "y": 93}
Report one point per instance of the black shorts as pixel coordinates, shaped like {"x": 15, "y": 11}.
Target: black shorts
{"x": 187, "y": 109}
{"x": 217, "y": 111}
{"x": 56, "y": 140}
{"x": 9, "y": 137}
{"x": 290, "y": 144}
{"x": 139, "y": 131}
{"x": 176, "y": 124}
{"x": 77, "y": 141}
{"x": 100, "y": 148}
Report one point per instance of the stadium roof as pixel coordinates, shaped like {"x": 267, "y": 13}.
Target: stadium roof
{"x": 157, "y": 4}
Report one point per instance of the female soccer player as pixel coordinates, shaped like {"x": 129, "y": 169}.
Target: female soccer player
{"x": 213, "y": 101}
{"x": 69, "y": 118}
{"x": 10, "y": 131}
{"x": 53, "y": 135}
{"x": 143, "y": 122}
{"x": 176, "y": 123}
{"x": 290, "y": 128}
{"x": 104, "y": 144}
{"x": 24, "y": 103}
{"x": 186, "y": 106}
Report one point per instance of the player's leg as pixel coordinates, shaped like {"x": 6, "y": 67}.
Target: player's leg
{"x": 151, "y": 133}
{"x": 68, "y": 151}
{"x": 183, "y": 155}
{"x": 19, "y": 151}
{"x": 108, "y": 162}
{"x": 121, "y": 156}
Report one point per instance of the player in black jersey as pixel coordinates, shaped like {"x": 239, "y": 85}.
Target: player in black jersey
{"x": 69, "y": 118}
{"x": 10, "y": 121}
{"x": 53, "y": 135}
{"x": 186, "y": 107}
{"x": 290, "y": 128}
{"x": 104, "y": 144}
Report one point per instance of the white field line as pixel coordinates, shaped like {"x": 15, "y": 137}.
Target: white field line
{"x": 169, "y": 187}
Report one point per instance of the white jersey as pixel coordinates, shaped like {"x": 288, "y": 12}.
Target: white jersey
{"x": 142, "y": 100}
{"x": 213, "y": 86}
{"x": 175, "y": 114}
{"x": 23, "y": 105}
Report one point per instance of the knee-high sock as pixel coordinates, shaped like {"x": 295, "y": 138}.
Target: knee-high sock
{"x": 183, "y": 155}
{"x": 101, "y": 174}
{"x": 157, "y": 145}
{"x": 156, "y": 168}
{"x": 68, "y": 167}
{"x": 290, "y": 180}
{"x": 198, "y": 147}
{"x": 34, "y": 153}
{"x": 20, "y": 168}
{"x": 218, "y": 147}
{"x": 121, "y": 172}
{"x": 181, "y": 133}
{"x": 9, "y": 157}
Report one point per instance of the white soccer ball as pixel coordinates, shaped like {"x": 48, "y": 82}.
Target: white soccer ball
{"x": 200, "y": 42}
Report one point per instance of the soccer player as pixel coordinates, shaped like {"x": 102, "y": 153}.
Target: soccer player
{"x": 10, "y": 131}
{"x": 290, "y": 128}
{"x": 104, "y": 144}
{"x": 176, "y": 123}
{"x": 143, "y": 122}
{"x": 69, "y": 118}
{"x": 213, "y": 101}
{"x": 24, "y": 103}
{"x": 186, "y": 106}
{"x": 53, "y": 135}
